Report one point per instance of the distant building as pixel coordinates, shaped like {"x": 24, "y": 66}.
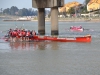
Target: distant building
{"x": 69, "y": 5}
{"x": 93, "y": 5}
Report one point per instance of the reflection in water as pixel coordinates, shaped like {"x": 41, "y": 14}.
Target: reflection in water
{"x": 55, "y": 46}
{"x": 33, "y": 45}
{"x": 42, "y": 45}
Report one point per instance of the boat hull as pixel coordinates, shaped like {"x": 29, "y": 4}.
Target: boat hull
{"x": 67, "y": 39}
{"x": 78, "y": 30}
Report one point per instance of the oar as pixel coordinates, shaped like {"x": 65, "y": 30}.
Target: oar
{"x": 4, "y": 38}
{"x": 22, "y": 26}
{"x": 16, "y": 26}
{"x": 67, "y": 29}
{"x": 3, "y": 31}
{"x": 89, "y": 29}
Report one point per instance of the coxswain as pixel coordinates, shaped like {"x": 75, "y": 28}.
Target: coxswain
{"x": 33, "y": 32}
{"x": 9, "y": 34}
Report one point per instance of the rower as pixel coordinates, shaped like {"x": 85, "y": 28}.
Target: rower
{"x": 20, "y": 34}
{"x": 23, "y": 34}
{"x": 28, "y": 34}
{"x": 14, "y": 35}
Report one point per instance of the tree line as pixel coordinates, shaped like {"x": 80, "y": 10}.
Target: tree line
{"x": 14, "y": 11}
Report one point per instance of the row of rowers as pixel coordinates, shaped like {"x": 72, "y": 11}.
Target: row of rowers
{"x": 21, "y": 33}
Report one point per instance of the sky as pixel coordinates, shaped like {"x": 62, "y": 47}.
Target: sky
{"x": 24, "y": 3}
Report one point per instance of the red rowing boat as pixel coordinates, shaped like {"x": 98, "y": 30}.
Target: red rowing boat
{"x": 76, "y": 28}
{"x": 86, "y": 38}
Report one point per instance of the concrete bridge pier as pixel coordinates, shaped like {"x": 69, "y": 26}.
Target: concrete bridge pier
{"x": 41, "y": 5}
{"x": 54, "y": 21}
{"x": 41, "y": 21}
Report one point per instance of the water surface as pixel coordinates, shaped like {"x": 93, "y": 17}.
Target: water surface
{"x": 50, "y": 58}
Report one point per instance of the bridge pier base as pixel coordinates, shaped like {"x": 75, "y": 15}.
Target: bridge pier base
{"x": 54, "y": 21}
{"x": 41, "y": 21}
